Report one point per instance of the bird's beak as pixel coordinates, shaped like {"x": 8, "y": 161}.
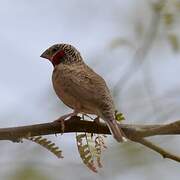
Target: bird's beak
{"x": 45, "y": 55}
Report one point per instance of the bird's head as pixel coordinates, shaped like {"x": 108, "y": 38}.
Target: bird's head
{"x": 62, "y": 53}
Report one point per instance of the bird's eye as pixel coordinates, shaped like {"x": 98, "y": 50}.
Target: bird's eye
{"x": 55, "y": 49}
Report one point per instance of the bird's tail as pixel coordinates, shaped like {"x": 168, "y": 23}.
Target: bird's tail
{"x": 116, "y": 131}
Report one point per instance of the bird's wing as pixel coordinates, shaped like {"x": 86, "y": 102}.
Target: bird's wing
{"x": 88, "y": 86}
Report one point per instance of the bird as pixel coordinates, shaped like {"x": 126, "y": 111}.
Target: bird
{"x": 81, "y": 88}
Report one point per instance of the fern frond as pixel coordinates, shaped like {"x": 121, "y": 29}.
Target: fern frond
{"x": 84, "y": 151}
{"x": 90, "y": 149}
{"x": 49, "y": 145}
{"x": 99, "y": 147}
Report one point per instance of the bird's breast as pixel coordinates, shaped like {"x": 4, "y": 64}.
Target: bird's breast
{"x": 61, "y": 85}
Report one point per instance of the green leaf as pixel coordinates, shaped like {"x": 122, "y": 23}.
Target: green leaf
{"x": 119, "y": 116}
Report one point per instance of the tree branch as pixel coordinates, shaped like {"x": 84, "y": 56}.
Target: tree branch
{"x": 134, "y": 132}
{"x": 74, "y": 124}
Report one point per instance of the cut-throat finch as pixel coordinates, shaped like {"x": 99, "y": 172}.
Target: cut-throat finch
{"x": 80, "y": 88}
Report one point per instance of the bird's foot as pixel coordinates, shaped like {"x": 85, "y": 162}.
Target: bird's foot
{"x": 97, "y": 120}
{"x": 63, "y": 118}
{"x": 62, "y": 121}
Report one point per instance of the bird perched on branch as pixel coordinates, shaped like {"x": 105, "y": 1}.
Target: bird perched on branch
{"x": 80, "y": 88}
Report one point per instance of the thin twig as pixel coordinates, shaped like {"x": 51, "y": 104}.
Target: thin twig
{"x": 164, "y": 153}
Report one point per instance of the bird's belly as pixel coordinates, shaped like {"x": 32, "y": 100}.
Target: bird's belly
{"x": 71, "y": 101}
{"x": 65, "y": 97}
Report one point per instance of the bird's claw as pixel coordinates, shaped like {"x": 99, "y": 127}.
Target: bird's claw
{"x": 97, "y": 120}
{"x": 62, "y": 121}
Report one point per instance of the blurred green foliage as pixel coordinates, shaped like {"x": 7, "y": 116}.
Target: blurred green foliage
{"x": 28, "y": 172}
{"x": 168, "y": 26}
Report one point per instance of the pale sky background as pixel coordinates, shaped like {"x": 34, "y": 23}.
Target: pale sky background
{"x": 152, "y": 95}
